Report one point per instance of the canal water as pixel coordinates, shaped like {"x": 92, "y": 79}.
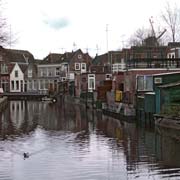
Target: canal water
{"x": 67, "y": 142}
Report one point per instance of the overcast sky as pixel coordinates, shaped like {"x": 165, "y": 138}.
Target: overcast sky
{"x": 44, "y": 26}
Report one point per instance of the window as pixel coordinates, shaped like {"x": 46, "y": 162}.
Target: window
{"x": 44, "y": 72}
{"x": 108, "y": 76}
{"x": 77, "y": 66}
{"x": 57, "y": 71}
{"x": 12, "y": 85}
{"x": 50, "y": 73}
{"x": 144, "y": 83}
{"x": 91, "y": 82}
{"x": 41, "y": 72}
{"x": 30, "y": 85}
{"x": 35, "y": 85}
{"x": 83, "y": 67}
{"x": 16, "y": 73}
{"x": 46, "y": 84}
{"x": 17, "y": 85}
{"x": 41, "y": 84}
{"x": 29, "y": 72}
{"x": 4, "y": 69}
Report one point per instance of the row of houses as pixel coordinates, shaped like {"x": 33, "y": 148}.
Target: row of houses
{"x": 20, "y": 72}
{"x": 118, "y": 80}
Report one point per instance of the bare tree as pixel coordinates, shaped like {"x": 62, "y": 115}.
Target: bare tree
{"x": 171, "y": 16}
{"x": 7, "y": 37}
{"x": 138, "y": 37}
{"x": 3, "y": 27}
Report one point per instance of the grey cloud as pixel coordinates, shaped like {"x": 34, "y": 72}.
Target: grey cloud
{"x": 57, "y": 23}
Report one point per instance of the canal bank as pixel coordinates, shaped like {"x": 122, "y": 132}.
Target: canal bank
{"x": 3, "y": 103}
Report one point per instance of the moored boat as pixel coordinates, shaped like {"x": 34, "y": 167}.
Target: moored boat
{"x": 49, "y": 99}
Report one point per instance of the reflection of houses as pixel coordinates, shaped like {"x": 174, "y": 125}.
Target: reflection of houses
{"x": 17, "y": 113}
{"x": 23, "y": 115}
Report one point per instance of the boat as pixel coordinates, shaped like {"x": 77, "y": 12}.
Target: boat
{"x": 168, "y": 126}
{"x": 170, "y": 122}
{"x": 49, "y": 99}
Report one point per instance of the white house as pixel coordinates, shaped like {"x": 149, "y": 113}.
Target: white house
{"x": 16, "y": 79}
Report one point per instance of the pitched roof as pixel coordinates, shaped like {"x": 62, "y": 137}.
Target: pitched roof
{"x": 170, "y": 85}
{"x": 52, "y": 58}
{"x": 67, "y": 56}
{"x": 23, "y": 67}
{"x": 101, "y": 59}
{"x": 19, "y": 56}
{"x": 55, "y": 58}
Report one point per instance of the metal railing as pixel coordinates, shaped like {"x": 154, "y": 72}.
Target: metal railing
{"x": 153, "y": 63}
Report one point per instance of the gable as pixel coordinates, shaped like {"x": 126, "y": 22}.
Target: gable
{"x": 16, "y": 67}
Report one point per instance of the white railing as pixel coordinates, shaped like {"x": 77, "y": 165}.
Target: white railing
{"x": 118, "y": 67}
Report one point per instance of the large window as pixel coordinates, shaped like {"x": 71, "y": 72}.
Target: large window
{"x": 144, "y": 83}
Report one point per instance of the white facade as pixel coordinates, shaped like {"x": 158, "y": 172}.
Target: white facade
{"x": 16, "y": 79}
{"x": 174, "y": 53}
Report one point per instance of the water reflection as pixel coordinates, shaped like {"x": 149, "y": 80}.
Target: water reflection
{"x": 66, "y": 141}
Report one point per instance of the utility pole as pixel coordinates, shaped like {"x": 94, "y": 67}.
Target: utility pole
{"x": 10, "y": 34}
{"x": 108, "y": 60}
{"x": 62, "y": 49}
{"x": 97, "y": 49}
{"x": 74, "y": 46}
{"x": 107, "y": 37}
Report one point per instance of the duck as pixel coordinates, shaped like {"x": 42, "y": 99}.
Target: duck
{"x": 26, "y": 155}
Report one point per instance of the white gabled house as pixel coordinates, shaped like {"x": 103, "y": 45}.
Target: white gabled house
{"x": 16, "y": 79}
